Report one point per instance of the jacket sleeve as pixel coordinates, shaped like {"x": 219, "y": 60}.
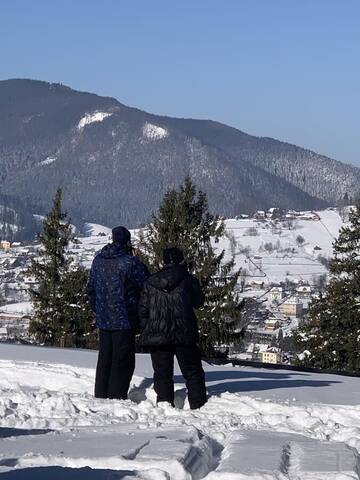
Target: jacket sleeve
{"x": 90, "y": 288}
{"x": 138, "y": 274}
{"x": 143, "y": 308}
{"x": 198, "y": 296}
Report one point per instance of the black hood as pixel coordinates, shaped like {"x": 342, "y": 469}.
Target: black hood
{"x": 112, "y": 251}
{"x": 168, "y": 278}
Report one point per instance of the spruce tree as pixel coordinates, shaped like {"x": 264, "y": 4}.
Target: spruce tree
{"x": 60, "y": 307}
{"x": 331, "y": 339}
{"x": 184, "y": 221}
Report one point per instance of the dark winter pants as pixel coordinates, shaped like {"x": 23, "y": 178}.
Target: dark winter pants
{"x": 189, "y": 361}
{"x": 116, "y": 364}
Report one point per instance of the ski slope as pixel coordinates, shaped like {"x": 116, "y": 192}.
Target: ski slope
{"x": 258, "y": 424}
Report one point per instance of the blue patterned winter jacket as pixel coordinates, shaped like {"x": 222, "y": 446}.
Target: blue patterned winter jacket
{"x": 114, "y": 287}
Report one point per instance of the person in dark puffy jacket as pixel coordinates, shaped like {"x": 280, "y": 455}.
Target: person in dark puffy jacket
{"x": 168, "y": 327}
{"x": 114, "y": 287}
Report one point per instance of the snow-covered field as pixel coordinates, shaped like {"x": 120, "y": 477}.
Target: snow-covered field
{"x": 267, "y": 252}
{"x": 258, "y": 424}
{"x": 270, "y": 252}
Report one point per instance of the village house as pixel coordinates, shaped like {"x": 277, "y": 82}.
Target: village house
{"x": 5, "y": 245}
{"x": 271, "y": 355}
{"x": 275, "y": 213}
{"x": 292, "y": 307}
{"x": 308, "y": 216}
{"x": 261, "y": 336}
{"x": 14, "y": 325}
{"x": 260, "y": 215}
{"x": 272, "y": 324}
{"x": 276, "y": 294}
{"x": 256, "y": 350}
{"x": 304, "y": 291}
{"x": 256, "y": 285}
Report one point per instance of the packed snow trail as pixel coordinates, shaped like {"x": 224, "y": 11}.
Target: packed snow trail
{"x": 257, "y": 424}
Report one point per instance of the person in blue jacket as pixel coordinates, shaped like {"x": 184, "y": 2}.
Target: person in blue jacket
{"x": 114, "y": 288}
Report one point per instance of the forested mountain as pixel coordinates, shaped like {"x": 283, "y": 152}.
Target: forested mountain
{"x": 319, "y": 176}
{"x": 16, "y": 221}
{"x": 115, "y": 162}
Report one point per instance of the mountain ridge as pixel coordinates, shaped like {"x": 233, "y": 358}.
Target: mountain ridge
{"x": 115, "y": 162}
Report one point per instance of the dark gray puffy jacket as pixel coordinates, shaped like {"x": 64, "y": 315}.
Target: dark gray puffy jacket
{"x": 166, "y": 308}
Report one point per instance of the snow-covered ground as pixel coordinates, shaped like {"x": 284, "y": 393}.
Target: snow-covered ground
{"x": 20, "y": 308}
{"x": 154, "y": 132}
{"x": 270, "y": 252}
{"x": 258, "y": 424}
{"x": 94, "y": 229}
{"x": 48, "y": 161}
{"x": 92, "y": 118}
{"x": 266, "y": 251}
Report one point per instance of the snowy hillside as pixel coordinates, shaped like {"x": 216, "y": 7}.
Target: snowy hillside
{"x": 269, "y": 251}
{"x": 258, "y": 424}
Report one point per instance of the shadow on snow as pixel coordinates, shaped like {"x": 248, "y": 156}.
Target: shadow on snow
{"x": 237, "y": 382}
{"x": 63, "y": 473}
{"x": 17, "y": 432}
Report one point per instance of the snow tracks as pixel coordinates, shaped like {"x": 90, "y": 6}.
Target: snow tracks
{"x": 53, "y": 428}
{"x": 125, "y": 451}
{"x": 162, "y": 453}
{"x": 269, "y": 456}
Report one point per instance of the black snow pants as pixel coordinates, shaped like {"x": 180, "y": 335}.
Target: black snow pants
{"x": 189, "y": 361}
{"x": 116, "y": 364}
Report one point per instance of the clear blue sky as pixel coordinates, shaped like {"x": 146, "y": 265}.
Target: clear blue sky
{"x": 288, "y": 69}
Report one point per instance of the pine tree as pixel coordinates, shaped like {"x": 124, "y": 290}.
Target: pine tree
{"x": 60, "y": 308}
{"x": 184, "y": 221}
{"x": 331, "y": 339}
